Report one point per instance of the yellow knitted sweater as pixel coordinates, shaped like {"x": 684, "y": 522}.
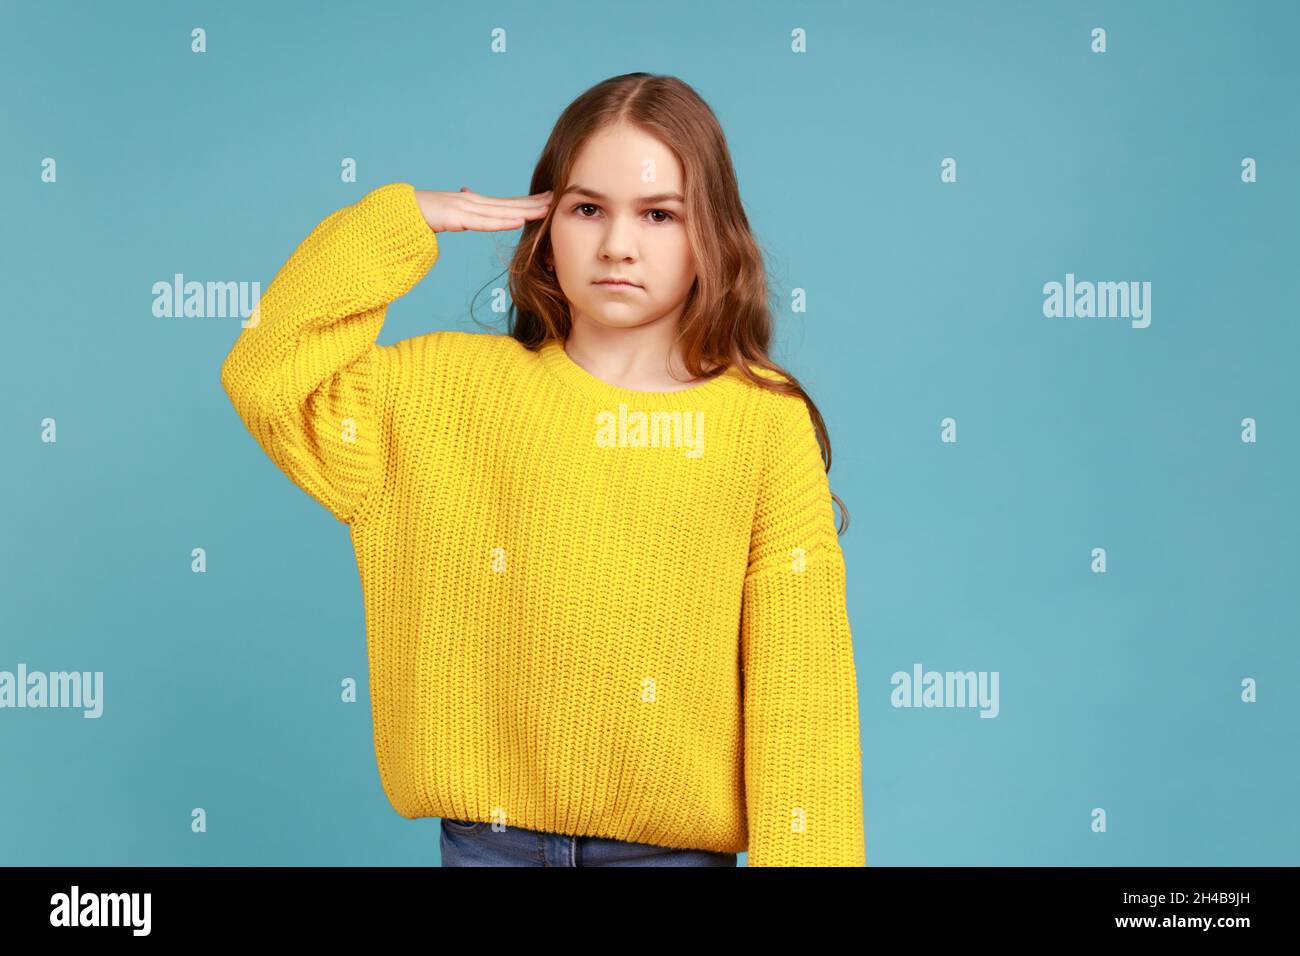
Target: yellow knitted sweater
{"x": 589, "y": 610}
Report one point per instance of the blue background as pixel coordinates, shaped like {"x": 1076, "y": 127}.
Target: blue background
{"x": 1119, "y": 690}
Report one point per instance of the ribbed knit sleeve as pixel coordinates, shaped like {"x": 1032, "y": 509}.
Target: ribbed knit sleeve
{"x": 304, "y": 375}
{"x": 803, "y": 757}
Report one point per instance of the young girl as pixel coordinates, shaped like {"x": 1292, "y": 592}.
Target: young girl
{"x": 604, "y": 592}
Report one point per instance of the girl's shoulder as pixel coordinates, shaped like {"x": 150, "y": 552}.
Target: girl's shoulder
{"x": 459, "y": 342}
{"x": 467, "y": 341}
{"x": 786, "y": 412}
{"x": 424, "y": 357}
{"x": 767, "y": 373}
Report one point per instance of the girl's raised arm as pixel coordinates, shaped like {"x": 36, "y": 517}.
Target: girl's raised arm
{"x": 304, "y": 374}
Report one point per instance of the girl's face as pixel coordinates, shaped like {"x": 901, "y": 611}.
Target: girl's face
{"x": 622, "y": 214}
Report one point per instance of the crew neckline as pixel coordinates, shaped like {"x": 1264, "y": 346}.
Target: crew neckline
{"x": 558, "y": 361}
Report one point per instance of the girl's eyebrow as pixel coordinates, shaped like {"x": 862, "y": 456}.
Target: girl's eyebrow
{"x": 592, "y": 194}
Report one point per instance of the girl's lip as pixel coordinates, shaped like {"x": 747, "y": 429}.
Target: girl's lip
{"x": 618, "y": 284}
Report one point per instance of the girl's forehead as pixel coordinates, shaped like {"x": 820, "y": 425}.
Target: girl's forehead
{"x": 632, "y": 196}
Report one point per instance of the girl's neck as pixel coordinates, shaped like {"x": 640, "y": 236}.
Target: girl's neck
{"x": 643, "y": 359}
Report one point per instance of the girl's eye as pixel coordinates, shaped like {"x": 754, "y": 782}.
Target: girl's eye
{"x": 588, "y": 205}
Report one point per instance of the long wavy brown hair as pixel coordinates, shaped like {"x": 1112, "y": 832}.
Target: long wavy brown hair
{"x": 726, "y": 321}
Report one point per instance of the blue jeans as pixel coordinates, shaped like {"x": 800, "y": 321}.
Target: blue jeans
{"x": 477, "y": 844}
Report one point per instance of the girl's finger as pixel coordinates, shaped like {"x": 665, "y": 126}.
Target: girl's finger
{"x": 494, "y": 224}
{"x": 501, "y": 212}
{"x": 475, "y": 213}
{"x": 504, "y": 210}
{"x": 515, "y": 201}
